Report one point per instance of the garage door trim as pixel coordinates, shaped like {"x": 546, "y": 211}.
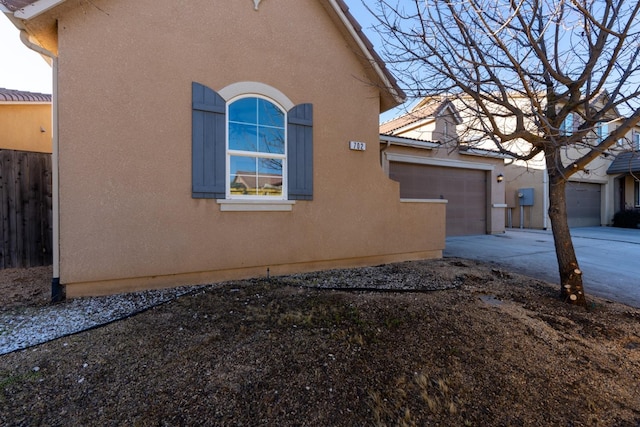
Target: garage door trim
{"x": 405, "y": 158}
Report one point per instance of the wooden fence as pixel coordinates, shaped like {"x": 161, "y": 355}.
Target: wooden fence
{"x": 25, "y": 209}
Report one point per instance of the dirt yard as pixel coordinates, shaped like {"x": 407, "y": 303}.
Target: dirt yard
{"x": 460, "y": 344}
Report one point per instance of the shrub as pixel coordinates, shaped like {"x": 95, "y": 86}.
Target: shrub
{"x": 628, "y": 218}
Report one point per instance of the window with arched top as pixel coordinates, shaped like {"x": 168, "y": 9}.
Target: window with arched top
{"x": 256, "y": 150}
{"x": 250, "y": 147}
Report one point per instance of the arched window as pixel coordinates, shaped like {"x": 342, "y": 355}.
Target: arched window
{"x": 252, "y": 146}
{"x": 256, "y": 149}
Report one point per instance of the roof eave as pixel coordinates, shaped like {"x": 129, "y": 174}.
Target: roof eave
{"x": 36, "y": 9}
{"x": 391, "y": 94}
{"x": 395, "y": 95}
{"x": 407, "y": 142}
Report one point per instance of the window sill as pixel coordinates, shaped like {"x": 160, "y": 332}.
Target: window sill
{"x": 256, "y": 205}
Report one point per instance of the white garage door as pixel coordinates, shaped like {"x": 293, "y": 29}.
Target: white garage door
{"x": 465, "y": 190}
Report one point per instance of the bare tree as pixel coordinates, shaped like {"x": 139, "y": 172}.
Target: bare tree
{"x": 521, "y": 68}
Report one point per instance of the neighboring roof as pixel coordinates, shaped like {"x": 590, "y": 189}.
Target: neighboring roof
{"x": 422, "y": 112}
{"x": 10, "y": 95}
{"x": 27, "y": 9}
{"x": 408, "y": 142}
{"x": 429, "y": 145}
{"x": 626, "y": 162}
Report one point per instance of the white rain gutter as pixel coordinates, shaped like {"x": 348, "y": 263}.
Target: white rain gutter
{"x": 408, "y": 142}
{"x": 56, "y": 289}
{"x": 35, "y": 9}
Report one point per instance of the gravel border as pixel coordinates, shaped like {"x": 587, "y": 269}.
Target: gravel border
{"x": 25, "y": 327}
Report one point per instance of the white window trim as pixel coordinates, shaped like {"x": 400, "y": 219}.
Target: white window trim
{"x": 254, "y": 205}
{"x": 602, "y": 131}
{"x": 229, "y": 153}
{"x": 238, "y": 89}
{"x": 567, "y": 125}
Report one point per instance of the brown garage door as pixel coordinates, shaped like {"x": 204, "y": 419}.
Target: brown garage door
{"x": 465, "y": 190}
{"x": 583, "y": 204}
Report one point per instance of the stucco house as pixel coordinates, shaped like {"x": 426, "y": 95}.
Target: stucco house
{"x": 158, "y": 107}
{"x": 625, "y": 172}
{"x": 25, "y": 121}
{"x": 590, "y": 194}
{"x": 420, "y": 150}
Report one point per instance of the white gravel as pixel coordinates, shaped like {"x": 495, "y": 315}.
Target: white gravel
{"x": 26, "y": 327}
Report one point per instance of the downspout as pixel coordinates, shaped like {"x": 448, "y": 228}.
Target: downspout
{"x": 57, "y": 291}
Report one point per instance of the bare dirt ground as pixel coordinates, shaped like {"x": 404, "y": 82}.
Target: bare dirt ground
{"x": 470, "y": 345}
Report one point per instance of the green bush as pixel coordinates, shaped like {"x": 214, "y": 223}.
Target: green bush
{"x": 629, "y": 218}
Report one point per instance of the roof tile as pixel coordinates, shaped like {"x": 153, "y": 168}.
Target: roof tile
{"x": 627, "y": 162}
{"x": 11, "y": 95}
{"x": 429, "y": 110}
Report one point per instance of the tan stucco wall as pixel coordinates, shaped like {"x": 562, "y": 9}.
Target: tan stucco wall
{"x": 629, "y": 193}
{"x": 25, "y": 127}
{"x": 127, "y": 216}
{"x": 516, "y": 178}
{"x": 536, "y": 216}
{"x": 446, "y": 157}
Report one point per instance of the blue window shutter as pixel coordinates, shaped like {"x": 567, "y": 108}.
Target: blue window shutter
{"x": 300, "y": 152}
{"x": 208, "y": 149}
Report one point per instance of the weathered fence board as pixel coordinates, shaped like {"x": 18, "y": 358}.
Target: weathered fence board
{"x": 25, "y": 209}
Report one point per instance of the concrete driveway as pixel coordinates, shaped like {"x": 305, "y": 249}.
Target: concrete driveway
{"x": 609, "y": 257}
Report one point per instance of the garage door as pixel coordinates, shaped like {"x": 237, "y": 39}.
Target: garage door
{"x": 583, "y": 204}
{"x": 465, "y": 190}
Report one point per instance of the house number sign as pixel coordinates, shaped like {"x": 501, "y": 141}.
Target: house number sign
{"x": 357, "y": 145}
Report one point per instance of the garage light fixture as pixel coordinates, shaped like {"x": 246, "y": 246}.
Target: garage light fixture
{"x": 500, "y": 178}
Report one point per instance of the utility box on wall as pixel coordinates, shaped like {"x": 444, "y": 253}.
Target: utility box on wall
{"x": 525, "y": 196}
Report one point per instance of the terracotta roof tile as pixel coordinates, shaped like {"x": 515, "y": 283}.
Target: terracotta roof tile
{"x": 429, "y": 110}
{"x": 10, "y": 95}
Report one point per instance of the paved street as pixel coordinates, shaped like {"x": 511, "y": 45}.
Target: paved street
{"x": 609, "y": 257}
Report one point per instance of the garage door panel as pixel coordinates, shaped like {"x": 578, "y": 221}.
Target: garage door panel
{"x": 464, "y": 189}
{"x": 583, "y": 204}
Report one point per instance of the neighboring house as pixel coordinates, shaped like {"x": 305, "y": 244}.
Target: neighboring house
{"x": 160, "y": 105}
{"x": 25, "y": 121}
{"x": 590, "y": 193}
{"x": 420, "y": 151}
{"x": 625, "y": 172}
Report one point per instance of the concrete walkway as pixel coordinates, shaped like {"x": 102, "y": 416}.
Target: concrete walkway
{"x": 609, "y": 257}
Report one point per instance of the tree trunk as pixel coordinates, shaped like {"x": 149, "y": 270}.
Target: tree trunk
{"x": 571, "y": 289}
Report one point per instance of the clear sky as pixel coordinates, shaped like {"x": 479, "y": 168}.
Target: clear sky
{"x": 23, "y": 69}
{"x": 20, "y": 67}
